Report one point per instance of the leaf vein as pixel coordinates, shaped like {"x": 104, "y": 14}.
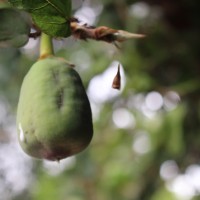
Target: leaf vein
{"x": 56, "y": 23}
{"x": 55, "y": 7}
{"x": 43, "y": 6}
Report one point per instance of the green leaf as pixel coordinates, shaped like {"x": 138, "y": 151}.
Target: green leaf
{"x": 50, "y": 16}
{"x": 16, "y": 3}
{"x": 14, "y": 27}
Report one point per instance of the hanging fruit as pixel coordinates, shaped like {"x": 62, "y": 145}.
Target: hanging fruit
{"x": 54, "y": 117}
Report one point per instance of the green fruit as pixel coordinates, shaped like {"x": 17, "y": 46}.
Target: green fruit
{"x": 54, "y": 118}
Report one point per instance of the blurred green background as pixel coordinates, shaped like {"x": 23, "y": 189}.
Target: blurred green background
{"x": 146, "y": 143}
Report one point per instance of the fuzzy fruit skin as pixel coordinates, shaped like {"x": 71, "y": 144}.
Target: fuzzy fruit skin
{"x": 54, "y": 117}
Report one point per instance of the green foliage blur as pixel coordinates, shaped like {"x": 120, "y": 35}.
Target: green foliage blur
{"x": 146, "y": 143}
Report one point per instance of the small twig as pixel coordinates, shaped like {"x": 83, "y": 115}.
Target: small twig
{"x": 35, "y": 34}
{"x": 101, "y": 33}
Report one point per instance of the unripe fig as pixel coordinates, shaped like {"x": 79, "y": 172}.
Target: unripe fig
{"x": 54, "y": 118}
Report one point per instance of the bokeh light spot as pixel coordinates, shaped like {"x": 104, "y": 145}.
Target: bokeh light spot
{"x": 140, "y": 10}
{"x": 55, "y": 168}
{"x": 169, "y": 170}
{"x": 154, "y": 101}
{"x": 122, "y": 118}
{"x": 171, "y": 100}
{"x": 141, "y": 143}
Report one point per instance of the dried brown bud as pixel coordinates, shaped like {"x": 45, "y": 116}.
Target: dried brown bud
{"x": 117, "y": 80}
{"x": 101, "y": 33}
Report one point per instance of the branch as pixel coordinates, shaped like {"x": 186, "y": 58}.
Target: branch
{"x": 101, "y": 33}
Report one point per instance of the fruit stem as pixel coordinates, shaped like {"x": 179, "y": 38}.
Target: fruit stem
{"x": 46, "y": 46}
